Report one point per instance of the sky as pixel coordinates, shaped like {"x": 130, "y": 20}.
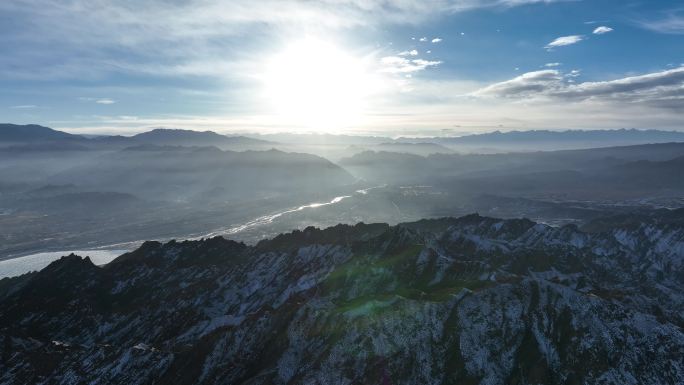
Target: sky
{"x": 404, "y": 67}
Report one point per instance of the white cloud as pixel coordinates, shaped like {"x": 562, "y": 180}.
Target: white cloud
{"x": 564, "y": 40}
{"x": 94, "y": 38}
{"x": 435, "y": 104}
{"x": 24, "y": 107}
{"x": 397, "y": 64}
{"x": 549, "y": 98}
{"x": 552, "y": 65}
{"x": 525, "y": 84}
{"x": 196, "y": 38}
{"x": 436, "y": 40}
{"x": 602, "y": 29}
{"x": 412, "y": 52}
{"x": 663, "y": 89}
{"x": 664, "y": 85}
{"x": 97, "y": 100}
{"x": 426, "y": 63}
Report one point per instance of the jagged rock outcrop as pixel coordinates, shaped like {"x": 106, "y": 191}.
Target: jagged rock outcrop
{"x": 471, "y": 300}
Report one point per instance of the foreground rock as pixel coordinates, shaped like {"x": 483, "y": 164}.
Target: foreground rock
{"x": 471, "y": 300}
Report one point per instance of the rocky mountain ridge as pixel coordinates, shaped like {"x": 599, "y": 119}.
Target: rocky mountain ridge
{"x": 471, "y": 300}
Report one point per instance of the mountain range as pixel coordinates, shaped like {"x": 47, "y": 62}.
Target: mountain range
{"x": 77, "y": 192}
{"x": 177, "y": 137}
{"x": 534, "y": 140}
{"x": 69, "y": 190}
{"x": 470, "y": 300}
{"x": 492, "y": 142}
{"x": 12, "y": 134}
{"x": 187, "y": 173}
{"x": 635, "y": 171}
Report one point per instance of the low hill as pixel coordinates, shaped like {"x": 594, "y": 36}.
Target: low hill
{"x": 187, "y": 173}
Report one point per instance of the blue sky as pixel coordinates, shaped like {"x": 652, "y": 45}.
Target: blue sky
{"x": 403, "y": 67}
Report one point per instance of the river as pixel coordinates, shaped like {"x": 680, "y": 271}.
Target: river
{"x": 102, "y": 255}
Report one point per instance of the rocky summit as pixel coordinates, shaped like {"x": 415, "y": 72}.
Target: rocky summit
{"x": 470, "y": 300}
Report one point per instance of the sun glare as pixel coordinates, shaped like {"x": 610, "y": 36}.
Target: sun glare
{"x": 315, "y": 85}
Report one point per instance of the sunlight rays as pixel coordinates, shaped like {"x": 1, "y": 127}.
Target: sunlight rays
{"x": 317, "y": 85}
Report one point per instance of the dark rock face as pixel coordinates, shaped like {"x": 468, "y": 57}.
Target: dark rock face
{"x": 471, "y": 300}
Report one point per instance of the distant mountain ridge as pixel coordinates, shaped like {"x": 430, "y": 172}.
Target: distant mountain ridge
{"x": 493, "y": 141}
{"x": 189, "y": 173}
{"x": 35, "y": 134}
{"x": 167, "y": 136}
{"x": 553, "y": 140}
{"x": 646, "y": 169}
{"x": 572, "y": 135}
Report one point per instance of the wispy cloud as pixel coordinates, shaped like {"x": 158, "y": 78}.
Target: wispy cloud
{"x": 602, "y": 30}
{"x": 217, "y": 45}
{"x": 155, "y": 38}
{"x": 525, "y": 84}
{"x": 671, "y": 23}
{"x": 398, "y": 64}
{"x": 24, "y": 107}
{"x": 436, "y": 40}
{"x": 663, "y": 89}
{"x": 564, "y": 40}
{"x": 412, "y": 52}
{"x": 550, "y": 98}
{"x": 97, "y": 100}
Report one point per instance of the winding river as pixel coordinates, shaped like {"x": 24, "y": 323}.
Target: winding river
{"x": 102, "y": 255}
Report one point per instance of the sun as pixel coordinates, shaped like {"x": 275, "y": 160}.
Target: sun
{"x": 315, "y": 85}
